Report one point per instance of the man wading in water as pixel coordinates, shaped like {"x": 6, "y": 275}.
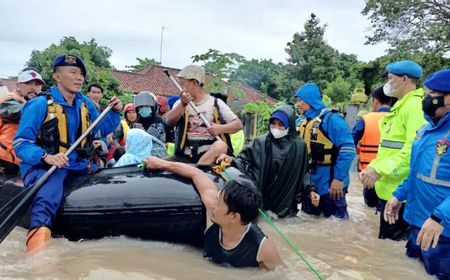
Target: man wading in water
{"x": 230, "y": 237}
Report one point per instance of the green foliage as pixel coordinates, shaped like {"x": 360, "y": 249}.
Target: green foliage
{"x": 142, "y": 63}
{"x": 263, "y": 75}
{"x": 326, "y": 100}
{"x": 220, "y": 66}
{"x": 431, "y": 60}
{"x": 95, "y": 58}
{"x": 338, "y": 90}
{"x": 373, "y": 73}
{"x": 127, "y": 97}
{"x": 262, "y": 111}
{"x": 423, "y": 23}
{"x": 311, "y": 59}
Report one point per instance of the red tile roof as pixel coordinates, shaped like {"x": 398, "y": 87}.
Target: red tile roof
{"x": 9, "y": 83}
{"x": 154, "y": 79}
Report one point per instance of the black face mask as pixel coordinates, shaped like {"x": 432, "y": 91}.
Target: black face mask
{"x": 430, "y": 104}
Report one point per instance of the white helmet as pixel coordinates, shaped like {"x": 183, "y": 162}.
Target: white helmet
{"x": 193, "y": 72}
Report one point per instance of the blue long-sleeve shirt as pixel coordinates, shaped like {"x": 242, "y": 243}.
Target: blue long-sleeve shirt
{"x": 33, "y": 116}
{"x": 339, "y": 133}
{"x": 358, "y": 129}
{"x": 427, "y": 187}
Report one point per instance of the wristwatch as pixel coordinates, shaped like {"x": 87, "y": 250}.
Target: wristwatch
{"x": 436, "y": 219}
{"x": 43, "y": 157}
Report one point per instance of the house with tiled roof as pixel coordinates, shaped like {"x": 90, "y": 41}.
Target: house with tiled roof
{"x": 153, "y": 78}
{"x": 9, "y": 83}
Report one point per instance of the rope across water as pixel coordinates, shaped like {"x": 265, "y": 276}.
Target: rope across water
{"x": 221, "y": 170}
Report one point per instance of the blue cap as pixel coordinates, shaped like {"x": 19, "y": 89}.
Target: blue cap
{"x": 405, "y": 68}
{"x": 439, "y": 81}
{"x": 281, "y": 116}
{"x": 69, "y": 60}
{"x": 172, "y": 100}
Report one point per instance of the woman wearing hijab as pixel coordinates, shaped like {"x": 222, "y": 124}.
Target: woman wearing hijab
{"x": 277, "y": 163}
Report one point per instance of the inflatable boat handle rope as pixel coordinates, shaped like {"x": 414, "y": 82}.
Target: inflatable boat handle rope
{"x": 220, "y": 170}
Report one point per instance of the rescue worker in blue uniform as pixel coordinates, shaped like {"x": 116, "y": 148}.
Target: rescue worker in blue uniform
{"x": 331, "y": 150}
{"x": 427, "y": 187}
{"x": 51, "y": 123}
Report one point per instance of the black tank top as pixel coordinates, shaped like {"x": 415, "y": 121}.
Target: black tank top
{"x": 244, "y": 254}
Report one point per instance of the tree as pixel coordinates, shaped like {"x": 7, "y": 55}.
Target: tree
{"x": 346, "y": 64}
{"x": 220, "y": 66}
{"x": 338, "y": 90}
{"x": 311, "y": 59}
{"x": 259, "y": 74}
{"x": 142, "y": 63}
{"x": 424, "y": 23}
{"x": 95, "y": 58}
{"x": 430, "y": 60}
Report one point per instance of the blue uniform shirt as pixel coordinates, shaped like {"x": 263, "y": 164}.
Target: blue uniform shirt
{"x": 427, "y": 187}
{"x": 339, "y": 134}
{"x": 34, "y": 114}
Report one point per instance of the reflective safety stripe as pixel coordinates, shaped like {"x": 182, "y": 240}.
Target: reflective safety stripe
{"x": 18, "y": 141}
{"x": 433, "y": 180}
{"x": 347, "y": 150}
{"x": 392, "y": 144}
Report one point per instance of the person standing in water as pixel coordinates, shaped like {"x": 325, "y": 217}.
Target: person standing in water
{"x": 230, "y": 236}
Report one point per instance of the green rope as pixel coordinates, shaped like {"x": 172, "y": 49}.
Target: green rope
{"x": 309, "y": 264}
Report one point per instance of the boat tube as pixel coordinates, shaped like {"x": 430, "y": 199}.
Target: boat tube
{"x": 157, "y": 205}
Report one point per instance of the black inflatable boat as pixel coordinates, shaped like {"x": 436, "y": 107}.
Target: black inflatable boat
{"x": 128, "y": 201}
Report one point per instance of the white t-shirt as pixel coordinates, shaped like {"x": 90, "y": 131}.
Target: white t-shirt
{"x": 197, "y": 130}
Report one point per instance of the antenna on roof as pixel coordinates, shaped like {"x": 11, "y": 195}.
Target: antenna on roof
{"x": 161, "y": 45}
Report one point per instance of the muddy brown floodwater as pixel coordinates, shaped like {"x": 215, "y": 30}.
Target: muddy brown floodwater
{"x": 338, "y": 249}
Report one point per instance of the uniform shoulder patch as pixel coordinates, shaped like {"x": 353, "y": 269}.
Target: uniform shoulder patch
{"x": 442, "y": 146}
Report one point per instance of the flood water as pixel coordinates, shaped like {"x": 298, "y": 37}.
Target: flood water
{"x": 338, "y": 249}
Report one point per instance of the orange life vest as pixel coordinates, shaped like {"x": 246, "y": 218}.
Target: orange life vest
{"x": 7, "y": 133}
{"x": 368, "y": 146}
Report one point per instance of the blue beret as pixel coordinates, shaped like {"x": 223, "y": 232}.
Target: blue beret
{"x": 439, "y": 81}
{"x": 405, "y": 67}
{"x": 281, "y": 116}
{"x": 69, "y": 60}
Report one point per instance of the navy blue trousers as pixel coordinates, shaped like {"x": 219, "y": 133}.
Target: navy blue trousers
{"x": 48, "y": 198}
{"x": 436, "y": 260}
{"x": 327, "y": 206}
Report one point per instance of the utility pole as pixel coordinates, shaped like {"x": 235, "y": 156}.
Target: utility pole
{"x": 161, "y": 45}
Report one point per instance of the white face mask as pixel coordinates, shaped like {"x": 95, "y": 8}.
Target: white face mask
{"x": 389, "y": 90}
{"x": 277, "y": 133}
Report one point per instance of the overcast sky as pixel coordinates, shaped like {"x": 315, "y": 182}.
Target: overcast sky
{"x": 132, "y": 28}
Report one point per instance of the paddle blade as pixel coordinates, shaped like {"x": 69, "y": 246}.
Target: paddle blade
{"x": 14, "y": 210}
